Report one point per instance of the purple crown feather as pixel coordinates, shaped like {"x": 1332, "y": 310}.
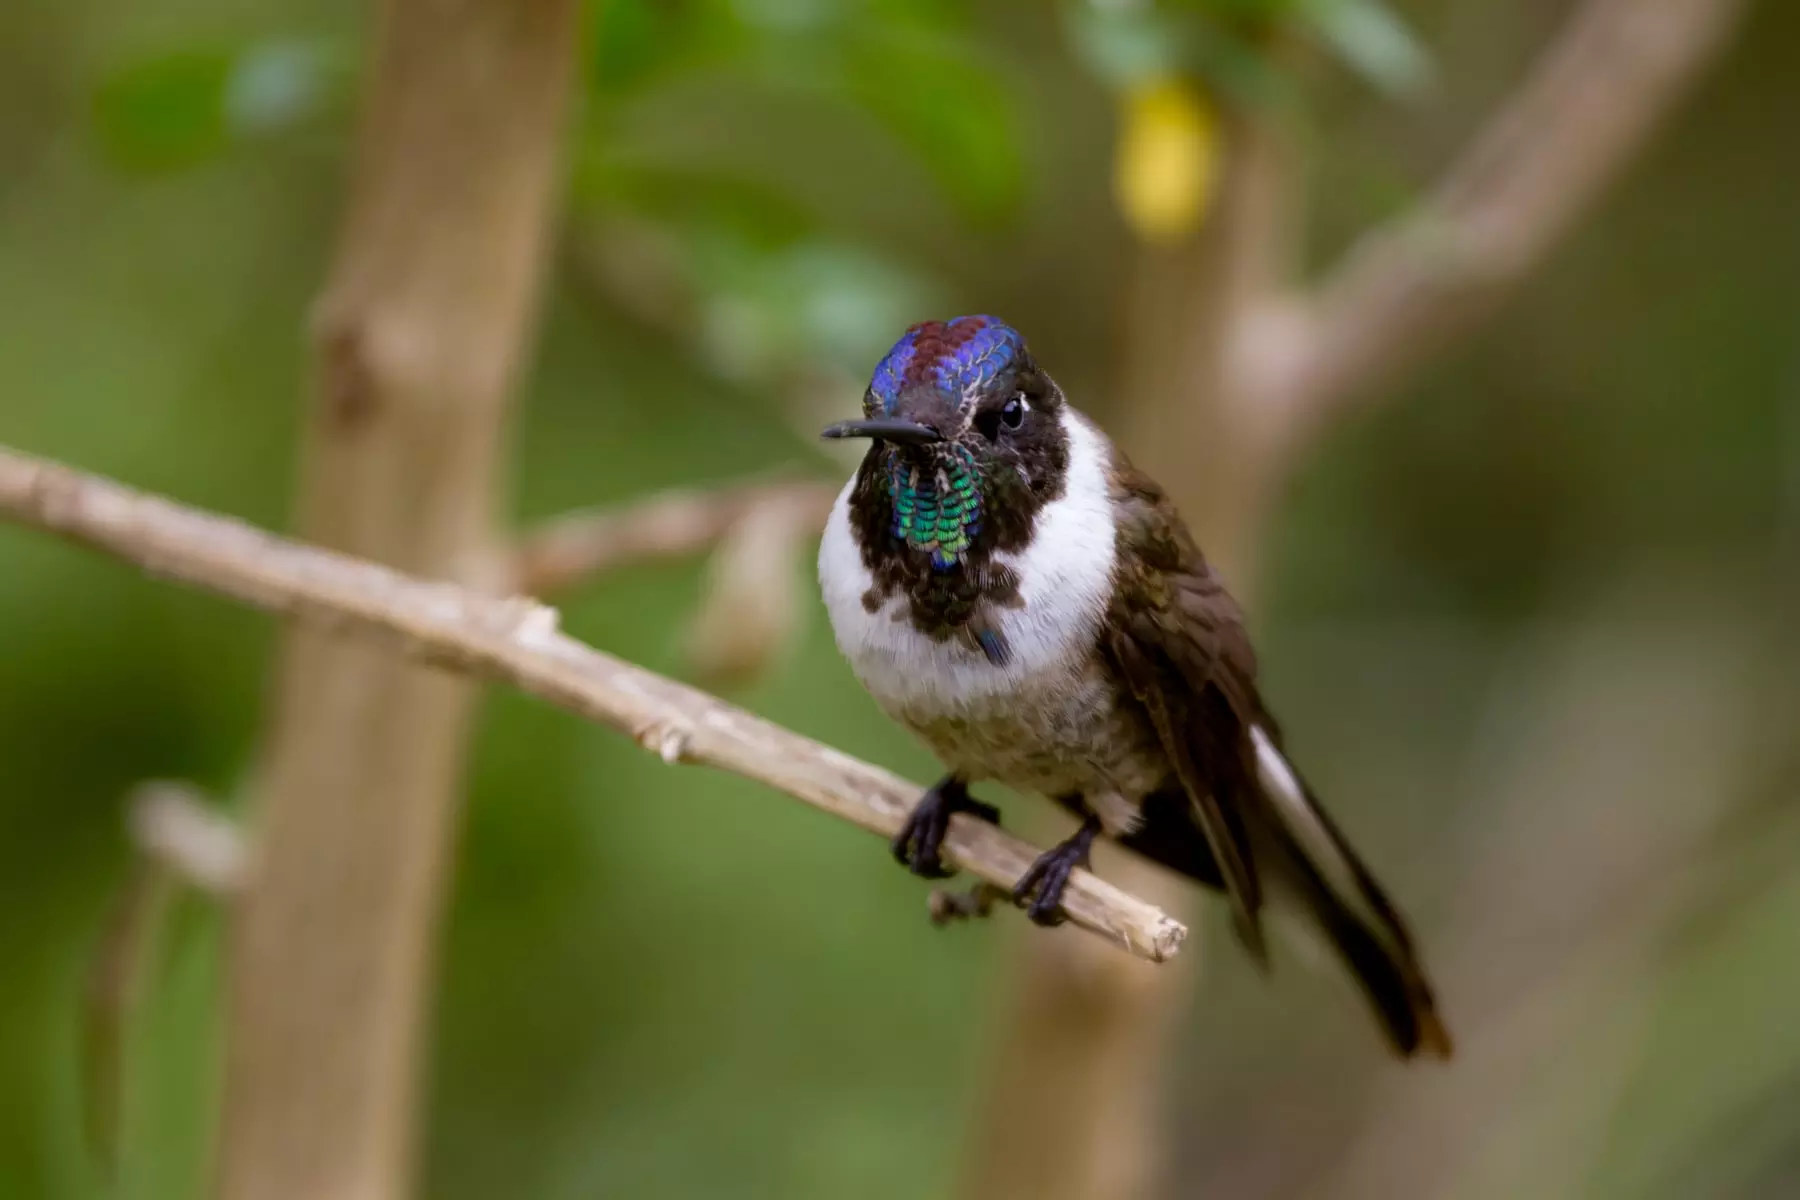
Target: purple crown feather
{"x": 959, "y": 357}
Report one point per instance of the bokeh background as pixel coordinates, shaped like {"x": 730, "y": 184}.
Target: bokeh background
{"x": 1532, "y": 622}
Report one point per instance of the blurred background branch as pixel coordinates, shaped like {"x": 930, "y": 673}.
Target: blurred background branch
{"x": 1592, "y": 100}
{"x": 758, "y": 533}
{"x": 571, "y": 550}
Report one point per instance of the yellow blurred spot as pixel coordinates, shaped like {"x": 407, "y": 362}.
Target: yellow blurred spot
{"x": 1167, "y": 161}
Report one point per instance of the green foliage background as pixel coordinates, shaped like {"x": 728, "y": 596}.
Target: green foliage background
{"x": 1620, "y": 452}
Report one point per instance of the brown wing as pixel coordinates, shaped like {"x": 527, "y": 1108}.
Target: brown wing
{"x": 1177, "y": 637}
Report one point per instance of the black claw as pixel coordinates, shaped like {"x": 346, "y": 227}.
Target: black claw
{"x": 1043, "y": 883}
{"x": 920, "y": 841}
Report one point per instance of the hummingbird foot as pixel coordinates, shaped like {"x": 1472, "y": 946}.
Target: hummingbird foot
{"x": 917, "y": 846}
{"x": 1041, "y": 887}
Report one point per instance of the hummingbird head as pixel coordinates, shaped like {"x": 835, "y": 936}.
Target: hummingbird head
{"x": 968, "y": 438}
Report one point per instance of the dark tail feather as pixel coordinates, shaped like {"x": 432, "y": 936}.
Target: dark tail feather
{"x": 1364, "y": 927}
{"x": 1389, "y": 976}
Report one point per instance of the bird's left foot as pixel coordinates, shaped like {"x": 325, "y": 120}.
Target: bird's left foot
{"x": 1041, "y": 888}
{"x": 922, "y": 837}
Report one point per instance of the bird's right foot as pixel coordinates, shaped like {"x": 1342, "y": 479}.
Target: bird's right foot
{"x": 918, "y": 845}
{"x": 1041, "y": 889}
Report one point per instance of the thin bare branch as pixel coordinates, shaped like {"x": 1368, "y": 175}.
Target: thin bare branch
{"x": 1411, "y": 286}
{"x": 572, "y": 549}
{"x": 516, "y": 641}
{"x": 752, "y": 604}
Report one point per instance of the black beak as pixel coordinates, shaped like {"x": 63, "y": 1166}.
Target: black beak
{"x": 888, "y": 429}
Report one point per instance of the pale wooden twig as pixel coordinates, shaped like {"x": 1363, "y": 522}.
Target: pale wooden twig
{"x": 1410, "y": 286}
{"x": 571, "y": 549}
{"x": 516, "y": 641}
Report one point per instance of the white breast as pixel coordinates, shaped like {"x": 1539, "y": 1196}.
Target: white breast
{"x": 1065, "y": 583}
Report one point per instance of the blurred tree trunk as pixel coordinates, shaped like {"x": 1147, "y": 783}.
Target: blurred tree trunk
{"x": 418, "y": 336}
{"x": 1073, "y": 1110}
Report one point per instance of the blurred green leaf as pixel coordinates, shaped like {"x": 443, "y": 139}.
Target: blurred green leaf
{"x": 787, "y": 16}
{"x": 187, "y": 106}
{"x": 1237, "y": 66}
{"x": 1224, "y": 42}
{"x": 636, "y": 42}
{"x": 1126, "y": 44}
{"x": 167, "y": 111}
{"x": 846, "y": 303}
{"x": 1373, "y": 40}
{"x": 950, "y": 109}
{"x": 815, "y": 301}
{"x": 914, "y": 67}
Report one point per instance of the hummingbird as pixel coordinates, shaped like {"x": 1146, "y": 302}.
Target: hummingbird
{"x": 1010, "y": 589}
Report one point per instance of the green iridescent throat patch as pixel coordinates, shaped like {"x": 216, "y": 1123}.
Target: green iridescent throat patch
{"x": 937, "y": 511}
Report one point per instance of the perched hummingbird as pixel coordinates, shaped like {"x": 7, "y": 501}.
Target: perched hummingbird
{"x": 1015, "y": 593}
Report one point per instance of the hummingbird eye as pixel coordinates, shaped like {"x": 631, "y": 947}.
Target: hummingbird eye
{"x": 1011, "y": 415}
